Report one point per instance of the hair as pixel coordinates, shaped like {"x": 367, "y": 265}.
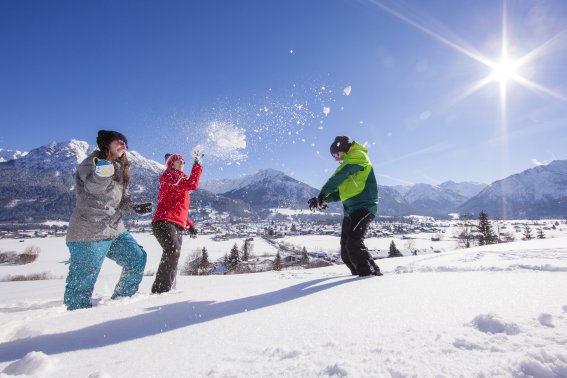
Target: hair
{"x": 104, "y": 153}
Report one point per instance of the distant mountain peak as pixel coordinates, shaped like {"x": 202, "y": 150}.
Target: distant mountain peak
{"x": 7, "y": 155}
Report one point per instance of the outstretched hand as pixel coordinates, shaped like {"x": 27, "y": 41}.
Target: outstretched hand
{"x": 197, "y": 156}
{"x": 142, "y": 208}
{"x": 317, "y": 203}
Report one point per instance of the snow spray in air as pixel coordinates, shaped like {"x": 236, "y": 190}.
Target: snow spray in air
{"x": 224, "y": 142}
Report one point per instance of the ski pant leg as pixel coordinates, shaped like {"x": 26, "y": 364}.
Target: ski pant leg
{"x": 344, "y": 252}
{"x": 127, "y": 253}
{"x": 357, "y": 251}
{"x": 169, "y": 235}
{"x": 85, "y": 263}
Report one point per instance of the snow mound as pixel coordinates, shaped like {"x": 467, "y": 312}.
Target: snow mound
{"x": 546, "y": 320}
{"x": 33, "y": 363}
{"x": 491, "y": 323}
{"x": 542, "y": 363}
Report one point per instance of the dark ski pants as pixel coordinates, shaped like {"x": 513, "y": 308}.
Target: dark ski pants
{"x": 86, "y": 261}
{"x": 354, "y": 253}
{"x": 170, "y": 236}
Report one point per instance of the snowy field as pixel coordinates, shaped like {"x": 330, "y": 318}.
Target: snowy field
{"x": 497, "y": 310}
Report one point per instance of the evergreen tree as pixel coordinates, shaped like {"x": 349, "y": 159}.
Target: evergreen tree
{"x": 245, "y": 251}
{"x": 277, "y": 265}
{"x": 540, "y": 233}
{"x": 486, "y": 235}
{"x": 527, "y": 233}
{"x": 205, "y": 263}
{"x": 394, "y": 251}
{"x": 304, "y": 256}
{"x": 233, "y": 258}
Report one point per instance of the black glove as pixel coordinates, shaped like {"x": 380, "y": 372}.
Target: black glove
{"x": 192, "y": 232}
{"x": 318, "y": 203}
{"x": 322, "y": 199}
{"x": 313, "y": 203}
{"x": 142, "y": 208}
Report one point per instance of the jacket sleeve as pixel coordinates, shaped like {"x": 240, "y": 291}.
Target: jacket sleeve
{"x": 94, "y": 184}
{"x": 189, "y": 223}
{"x": 126, "y": 203}
{"x": 192, "y": 181}
{"x": 331, "y": 187}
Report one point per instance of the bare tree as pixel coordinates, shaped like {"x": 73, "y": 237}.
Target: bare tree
{"x": 191, "y": 265}
{"x": 466, "y": 237}
{"x": 410, "y": 246}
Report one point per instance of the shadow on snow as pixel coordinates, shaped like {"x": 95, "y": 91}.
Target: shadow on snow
{"x": 157, "y": 320}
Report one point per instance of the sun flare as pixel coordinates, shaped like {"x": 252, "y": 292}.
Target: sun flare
{"x": 504, "y": 71}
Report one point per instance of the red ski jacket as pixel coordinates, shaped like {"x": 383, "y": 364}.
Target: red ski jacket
{"x": 173, "y": 197}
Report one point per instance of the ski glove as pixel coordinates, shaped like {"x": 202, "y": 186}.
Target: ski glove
{"x": 313, "y": 203}
{"x": 322, "y": 202}
{"x": 192, "y": 232}
{"x": 318, "y": 203}
{"x": 197, "y": 156}
{"x": 103, "y": 168}
{"x": 142, "y": 208}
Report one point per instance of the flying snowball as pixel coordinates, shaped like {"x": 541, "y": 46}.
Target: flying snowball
{"x": 347, "y": 90}
{"x": 326, "y": 110}
{"x": 224, "y": 141}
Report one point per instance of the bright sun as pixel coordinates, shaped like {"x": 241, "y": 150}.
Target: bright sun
{"x": 504, "y": 71}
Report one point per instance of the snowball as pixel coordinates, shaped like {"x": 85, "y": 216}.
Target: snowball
{"x": 347, "y": 90}
{"x": 224, "y": 141}
{"x": 326, "y": 110}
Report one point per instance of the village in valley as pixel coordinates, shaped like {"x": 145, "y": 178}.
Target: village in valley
{"x": 228, "y": 245}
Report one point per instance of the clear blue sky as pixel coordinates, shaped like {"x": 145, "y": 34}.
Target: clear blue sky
{"x": 162, "y": 72}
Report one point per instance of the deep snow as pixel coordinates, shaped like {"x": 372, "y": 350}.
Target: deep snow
{"x": 489, "y": 311}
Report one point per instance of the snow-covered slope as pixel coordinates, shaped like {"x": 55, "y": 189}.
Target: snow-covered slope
{"x": 270, "y": 188}
{"x": 467, "y": 189}
{"x": 6, "y": 155}
{"x": 433, "y": 200}
{"x": 497, "y": 310}
{"x": 536, "y": 192}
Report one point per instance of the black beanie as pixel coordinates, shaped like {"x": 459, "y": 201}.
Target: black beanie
{"x": 341, "y": 144}
{"x": 105, "y": 137}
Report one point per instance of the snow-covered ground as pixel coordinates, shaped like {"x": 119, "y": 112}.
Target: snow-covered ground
{"x": 497, "y": 310}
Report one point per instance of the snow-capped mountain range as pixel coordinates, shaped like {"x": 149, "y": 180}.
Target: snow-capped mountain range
{"x": 39, "y": 185}
{"x": 536, "y": 192}
{"x": 6, "y": 155}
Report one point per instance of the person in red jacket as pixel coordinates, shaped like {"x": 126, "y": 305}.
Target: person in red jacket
{"x": 172, "y": 216}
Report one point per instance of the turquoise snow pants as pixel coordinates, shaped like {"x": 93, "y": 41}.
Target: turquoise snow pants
{"x": 86, "y": 261}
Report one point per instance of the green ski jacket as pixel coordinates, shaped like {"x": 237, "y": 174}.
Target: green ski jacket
{"x": 353, "y": 182}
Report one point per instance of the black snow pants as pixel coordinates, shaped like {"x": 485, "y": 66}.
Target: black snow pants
{"x": 169, "y": 236}
{"x": 354, "y": 253}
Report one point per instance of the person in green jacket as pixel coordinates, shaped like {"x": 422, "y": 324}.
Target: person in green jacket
{"x": 353, "y": 183}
